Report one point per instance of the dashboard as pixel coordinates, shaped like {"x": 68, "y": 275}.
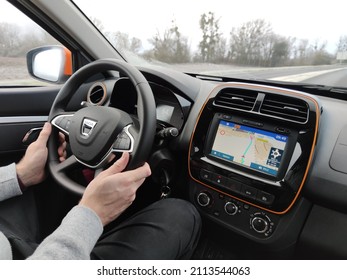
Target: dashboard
{"x": 246, "y": 155}
{"x": 120, "y": 93}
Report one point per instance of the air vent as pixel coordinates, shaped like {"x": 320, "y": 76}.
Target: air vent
{"x": 236, "y": 98}
{"x": 285, "y": 107}
{"x": 97, "y": 94}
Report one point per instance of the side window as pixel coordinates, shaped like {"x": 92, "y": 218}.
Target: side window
{"x": 18, "y": 35}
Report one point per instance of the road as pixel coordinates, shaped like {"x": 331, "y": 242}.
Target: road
{"x": 337, "y": 78}
{"x": 13, "y": 71}
{"x": 331, "y": 75}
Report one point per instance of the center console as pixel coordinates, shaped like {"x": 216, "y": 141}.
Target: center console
{"x": 250, "y": 154}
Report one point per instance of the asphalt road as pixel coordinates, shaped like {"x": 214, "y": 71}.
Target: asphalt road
{"x": 331, "y": 75}
{"x": 337, "y": 78}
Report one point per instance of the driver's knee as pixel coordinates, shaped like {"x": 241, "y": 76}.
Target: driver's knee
{"x": 166, "y": 229}
{"x": 181, "y": 221}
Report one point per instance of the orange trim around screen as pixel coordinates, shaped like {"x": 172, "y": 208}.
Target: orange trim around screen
{"x": 259, "y": 87}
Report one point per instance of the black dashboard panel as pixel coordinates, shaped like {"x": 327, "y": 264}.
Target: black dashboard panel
{"x": 251, "y": 150}
{"x": 169, "y": 106}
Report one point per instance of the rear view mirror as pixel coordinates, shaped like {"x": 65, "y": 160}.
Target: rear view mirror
{"x": 50, "y": 64}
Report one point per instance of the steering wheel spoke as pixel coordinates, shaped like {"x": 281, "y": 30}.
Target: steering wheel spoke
{"x": 124, "y": 142}
{"x": 69, "y": 164}
{"x": 63, "y": 122}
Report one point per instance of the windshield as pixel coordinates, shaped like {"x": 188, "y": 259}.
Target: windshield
{"x": 297, "y": 41}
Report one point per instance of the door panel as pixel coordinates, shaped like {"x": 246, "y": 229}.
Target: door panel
{"x": 21, "y": 109}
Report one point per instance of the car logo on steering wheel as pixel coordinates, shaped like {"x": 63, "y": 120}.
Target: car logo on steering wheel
{"x": 87, "y": 127}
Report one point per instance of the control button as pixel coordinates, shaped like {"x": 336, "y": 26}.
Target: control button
{"x": 67, "y": 126}
{"x": 219, "y": 180}
{"x": 259, "y": 124}
{"x": 265, "y": 197}
{"x": 123, "y": 142}
{"x": 230, "y": 208}
{"x": 204, "y": 199}
{"x": 63, "y": 122}
{"x": 246, "y": 206}
{"x": 282, "y": 130}
{"x": 249, "y": 191}
{"x": 206, "y": 175}
{"x": 226, "y": 117}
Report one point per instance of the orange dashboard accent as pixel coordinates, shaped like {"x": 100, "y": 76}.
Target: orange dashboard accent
{"x": 261, "y": 87}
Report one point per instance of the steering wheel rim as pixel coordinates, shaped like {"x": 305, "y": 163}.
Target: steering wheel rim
{"x": 142, "y": 133}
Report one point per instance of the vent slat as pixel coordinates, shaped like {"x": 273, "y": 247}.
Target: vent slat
{"x": 236, "y": 98}
{"x": 285, "y": 107}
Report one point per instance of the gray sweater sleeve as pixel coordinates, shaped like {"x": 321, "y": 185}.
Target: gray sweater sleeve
{"x": 73, "y": 239}
{"x": 5, "y": 248}
{"x": 9, "y": 186}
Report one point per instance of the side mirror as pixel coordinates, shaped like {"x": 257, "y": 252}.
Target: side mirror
{"x": 50, "y": 64}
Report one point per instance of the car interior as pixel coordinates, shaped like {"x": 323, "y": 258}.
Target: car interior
{"x": 263, "y": 161}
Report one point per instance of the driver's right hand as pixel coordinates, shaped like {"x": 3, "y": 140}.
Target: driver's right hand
{"x": 113, "y": 191}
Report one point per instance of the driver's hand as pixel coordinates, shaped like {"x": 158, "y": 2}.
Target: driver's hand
{"x": 62, "y": 147}
{"x": 113, "y": 191}
{"x": 31, "y": 168}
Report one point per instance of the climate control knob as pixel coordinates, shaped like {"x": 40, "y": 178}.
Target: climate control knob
{"x": 261, "y": 223}
{"x": 204, "y": 199}
{"x": 230, "y": 208}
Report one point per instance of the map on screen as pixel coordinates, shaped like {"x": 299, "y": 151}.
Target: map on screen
{"x": 251, "y": 147}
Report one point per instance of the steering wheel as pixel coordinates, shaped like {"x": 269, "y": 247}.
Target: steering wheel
{"x": 97, "y": 132}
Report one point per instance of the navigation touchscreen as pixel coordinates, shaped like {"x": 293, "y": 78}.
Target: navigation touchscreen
{"x": 250, "y": 147}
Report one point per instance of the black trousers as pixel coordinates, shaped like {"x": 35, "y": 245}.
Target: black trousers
{"x": 166, "y": 229}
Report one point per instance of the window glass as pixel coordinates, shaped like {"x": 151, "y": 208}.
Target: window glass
{"x": 18, "y": 35}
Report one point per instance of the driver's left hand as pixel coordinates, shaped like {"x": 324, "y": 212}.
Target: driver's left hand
{"x": 31, "y": 168}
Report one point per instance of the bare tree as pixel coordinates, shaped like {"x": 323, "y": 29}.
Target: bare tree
{"x": 9, "y": 39}
{"x": 121, "y": 41}
{"x": 170, "y": 47}
{"x": 249, "y": 43}
{"x": 14, "y": 42}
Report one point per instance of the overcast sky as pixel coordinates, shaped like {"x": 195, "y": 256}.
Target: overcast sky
{"x": 322, "y": 20}
{"x": 313, "y": 20}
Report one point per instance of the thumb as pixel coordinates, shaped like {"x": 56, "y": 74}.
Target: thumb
{"x": 118, "y": 166}
{"x": 44, "y": 134}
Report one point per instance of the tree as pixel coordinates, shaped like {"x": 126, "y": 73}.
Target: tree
{"x": 121, "y": 41}
{"x": 281, "y": 50}
{"x": 211, "y": 46}
{"x": 170, "y": 47}
{"x": 249, "y": 44}
{"x": 9, "y": 38}
{"x": 319, "y": 55}
{"x": 15, "y": 43}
